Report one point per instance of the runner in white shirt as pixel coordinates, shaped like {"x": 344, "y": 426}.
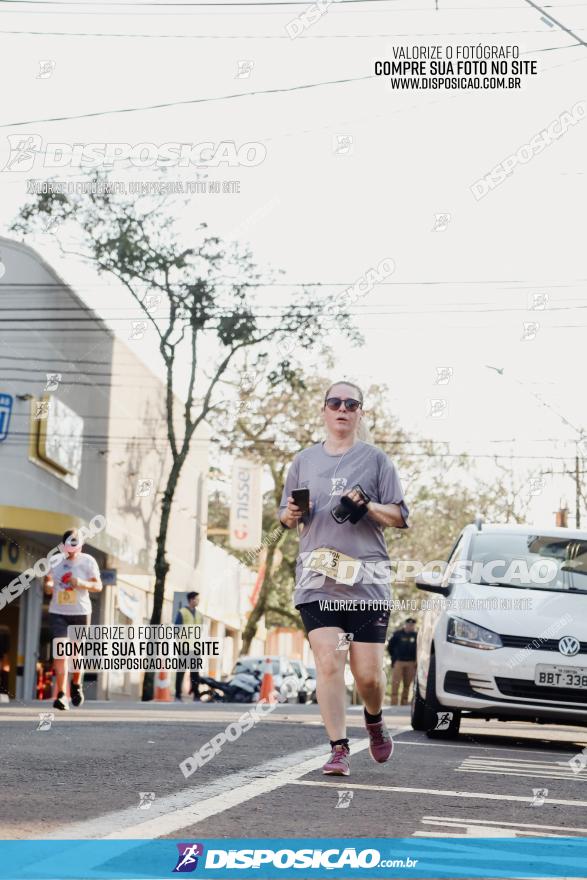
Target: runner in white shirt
{"x": 69, "y": 584}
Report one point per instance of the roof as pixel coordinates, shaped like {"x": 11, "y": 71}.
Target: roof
{"x": 24, "y": 248}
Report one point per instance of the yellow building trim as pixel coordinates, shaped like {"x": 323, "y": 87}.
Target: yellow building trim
{"x": 30, "y": 519}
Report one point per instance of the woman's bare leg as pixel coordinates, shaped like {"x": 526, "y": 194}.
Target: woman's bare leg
{"x": 367, "y": 669}
{"x": 330, "y": 688}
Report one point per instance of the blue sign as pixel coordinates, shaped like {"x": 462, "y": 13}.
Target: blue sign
{"x": 292, "y": 858}
{"x": 6, "y": 401}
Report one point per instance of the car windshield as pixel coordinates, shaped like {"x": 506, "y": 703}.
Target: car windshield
{"x": 529, "y": 561}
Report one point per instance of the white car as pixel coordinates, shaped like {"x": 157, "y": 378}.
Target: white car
{"x": 505, "y": 633}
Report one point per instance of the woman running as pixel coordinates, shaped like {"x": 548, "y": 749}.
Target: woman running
{"x": 342, "y": 570}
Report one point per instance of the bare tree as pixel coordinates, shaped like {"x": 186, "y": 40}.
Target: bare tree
{"x": 206, "y": 293}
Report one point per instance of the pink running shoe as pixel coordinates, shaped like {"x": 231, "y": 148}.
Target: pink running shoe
{"x": 339, "y": 763}
{"x": 380, "y": 742}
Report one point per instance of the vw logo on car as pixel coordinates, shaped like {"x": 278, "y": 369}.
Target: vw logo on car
{"x": 569, "y": 646}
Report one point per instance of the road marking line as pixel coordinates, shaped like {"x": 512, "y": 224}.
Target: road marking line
{"x": 488, "y": 828}
{"x": 517, "y": 762}
{"x": 521, "y": 767}
{"x": 480, "y": 831}
{"x": 432, "y": 745}
{"x": 519, "y": 774}
{"x": 457, "y": 821}
{"x": 439, "y": 793}
{"x": 197, "y": 803}
{"x": 186, "y": 807}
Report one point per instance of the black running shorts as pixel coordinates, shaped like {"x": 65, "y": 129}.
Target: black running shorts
{"x": 368, "y": 625}
{"x": 60, "y": 622}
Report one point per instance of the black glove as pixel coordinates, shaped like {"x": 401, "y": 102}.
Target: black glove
{"x": 349, "y": 509}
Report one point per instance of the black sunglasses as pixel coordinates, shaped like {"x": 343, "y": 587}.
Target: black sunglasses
{"x": 350, "y": 404}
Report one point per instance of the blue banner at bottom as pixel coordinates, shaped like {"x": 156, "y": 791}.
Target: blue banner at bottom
{"x": 294, "y": 857}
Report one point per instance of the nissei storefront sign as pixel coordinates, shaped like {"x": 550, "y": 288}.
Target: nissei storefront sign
{"x": 6, "y": 401}
{"x": 245, "y": 508}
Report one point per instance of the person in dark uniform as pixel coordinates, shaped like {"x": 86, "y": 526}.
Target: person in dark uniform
{"x": 402, "y": 650}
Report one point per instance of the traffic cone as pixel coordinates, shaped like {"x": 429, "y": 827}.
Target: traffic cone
{"x": 163, "y": 687}
{"x": 267, "y": 686}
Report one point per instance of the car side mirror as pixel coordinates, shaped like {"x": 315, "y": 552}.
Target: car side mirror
{"x": 431, "y": 582}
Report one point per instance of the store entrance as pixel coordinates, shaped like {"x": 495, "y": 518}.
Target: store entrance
{"x": 9, "y": 619}
{"x": 19, "y": 631}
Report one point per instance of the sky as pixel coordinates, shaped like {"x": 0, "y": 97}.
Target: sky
{"x": 353, "y": 173}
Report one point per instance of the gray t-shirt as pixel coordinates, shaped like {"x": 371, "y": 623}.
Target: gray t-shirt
{"x": 328, "y": 477}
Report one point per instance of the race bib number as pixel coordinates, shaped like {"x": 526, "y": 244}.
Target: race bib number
{"x": 67, "y": 597}
{"x": 334, "y": 564}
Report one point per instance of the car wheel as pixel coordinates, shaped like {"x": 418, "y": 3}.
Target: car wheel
{"x": 441, "y": 723}
{"x": 419, "y": 715}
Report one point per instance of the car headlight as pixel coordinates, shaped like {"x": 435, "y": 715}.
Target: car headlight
{"x": 463, "y": 632}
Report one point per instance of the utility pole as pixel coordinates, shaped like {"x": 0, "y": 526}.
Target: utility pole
{"x": 577, "y": 491}
{"x": 576, "y": 476}
{"x": 582, "y": 439}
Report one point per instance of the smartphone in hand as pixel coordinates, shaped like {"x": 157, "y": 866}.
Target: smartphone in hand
{"x": 301, "y": 498}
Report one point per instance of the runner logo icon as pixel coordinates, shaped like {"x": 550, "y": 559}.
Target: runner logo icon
{"x": 188, "y": 857}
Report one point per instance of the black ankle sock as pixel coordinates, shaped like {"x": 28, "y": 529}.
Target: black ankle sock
{"x": 339, "y": 742}
{"x": 372, "y": 719}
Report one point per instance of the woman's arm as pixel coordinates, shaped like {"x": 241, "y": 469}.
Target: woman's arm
{"x": 387, "y": 515}
{"x": 292, "y": 514}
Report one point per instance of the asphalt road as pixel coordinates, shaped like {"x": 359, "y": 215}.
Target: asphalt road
{"x": 82, "y": 777}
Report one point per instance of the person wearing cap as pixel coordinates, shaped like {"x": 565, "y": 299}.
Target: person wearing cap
{"x": 189, "y": 616}
{"x": 69, "y": 584}
{"x": 402, "y": 650}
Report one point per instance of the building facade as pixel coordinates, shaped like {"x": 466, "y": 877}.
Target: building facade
{"x": 83, "y": 433}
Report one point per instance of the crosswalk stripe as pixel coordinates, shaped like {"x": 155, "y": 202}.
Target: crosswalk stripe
{"x": 449, "y": 745}
{"x": 457, "y": 821}
{"x": 456, "y": 827}
{"x": 522, "y": 762}
{"x": 519, "y": 767}
{"x": 195, "y": 804}
{"x": 514, "y": 773}
{"x": 441, "y": 792}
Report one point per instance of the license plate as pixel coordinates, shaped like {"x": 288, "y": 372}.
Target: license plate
{"x": 561, "y": 676}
